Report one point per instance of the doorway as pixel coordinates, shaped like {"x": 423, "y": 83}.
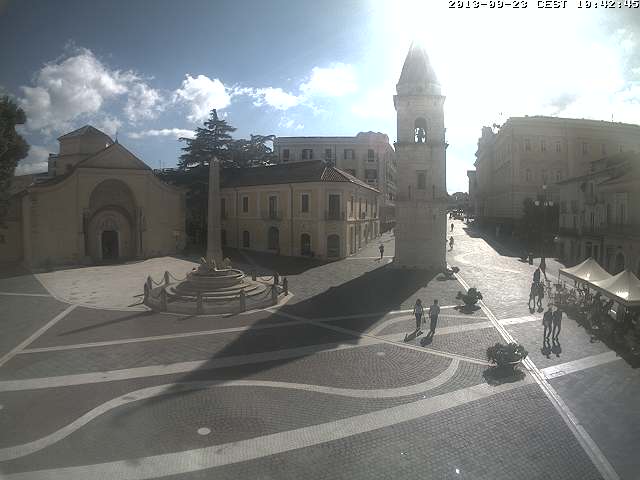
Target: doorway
{"x": 110, "y": 250}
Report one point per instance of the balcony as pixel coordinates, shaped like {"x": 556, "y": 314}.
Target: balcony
{"x": 616, "y": 229}
{"x": 334, "y": 215}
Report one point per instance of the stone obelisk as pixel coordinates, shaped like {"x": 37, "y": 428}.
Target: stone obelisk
{"x": 213, "y": 218}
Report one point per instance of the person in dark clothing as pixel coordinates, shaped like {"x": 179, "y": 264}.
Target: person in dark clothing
{"x": 434, "y": 311}
{"x": 381, "y": 248}
{"x": 547, "y": 320}
{"x": 536, "y": 276}
{"x": 451, "y": 243}
{"x": 557, "y": 323}
{"x": 452, "y": 227}
{"x": 540, "y": 296}
{"x": 543, "y": 267}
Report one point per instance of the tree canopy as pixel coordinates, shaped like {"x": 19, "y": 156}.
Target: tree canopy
{"x": 13, "y": 148}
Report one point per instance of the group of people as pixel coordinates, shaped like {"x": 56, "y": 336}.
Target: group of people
{"x": 552, "y": 318}
{"x": 434, "y": 311}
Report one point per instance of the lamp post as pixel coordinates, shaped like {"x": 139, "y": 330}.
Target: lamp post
{"x": 544, "y": 203}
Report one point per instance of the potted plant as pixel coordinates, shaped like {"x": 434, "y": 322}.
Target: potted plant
{"x": 470, "y": 298}
{"x": 509, "y": 355}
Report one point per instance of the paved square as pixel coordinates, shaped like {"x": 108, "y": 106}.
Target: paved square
{"x": 330, "y": 385}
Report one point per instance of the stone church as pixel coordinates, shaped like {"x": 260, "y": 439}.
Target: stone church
{"x": 421, "y": 198}
{"x": 97, "y": 203}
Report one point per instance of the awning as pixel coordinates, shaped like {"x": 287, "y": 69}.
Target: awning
{"x": 623, "y": 287}
{"x": 587, "y": 271}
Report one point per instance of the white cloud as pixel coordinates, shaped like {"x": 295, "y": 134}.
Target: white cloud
{"x": 334, "y": 81}
{"x": 108, "y": 125}
{"x": 36, "y": 161}
{"x": 375, "y": 103}
{"x": 77, "y": 87}
{"x": 165, "y": 132}
{"x": 202, "y": 94}
{"x": 275, "y": 97}
{"x": 143, "y": 103}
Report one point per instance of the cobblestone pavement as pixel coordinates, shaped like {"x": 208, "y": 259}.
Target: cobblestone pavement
{"x": 334, "y": 384}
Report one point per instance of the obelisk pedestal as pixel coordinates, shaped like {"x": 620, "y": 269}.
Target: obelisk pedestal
{"x": 213, "y": 216}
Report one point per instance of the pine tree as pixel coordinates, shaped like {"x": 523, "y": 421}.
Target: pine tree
{"x": 212, "y": 140}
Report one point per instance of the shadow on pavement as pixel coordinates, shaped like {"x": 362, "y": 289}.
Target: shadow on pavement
{"x": 498, "y": 375}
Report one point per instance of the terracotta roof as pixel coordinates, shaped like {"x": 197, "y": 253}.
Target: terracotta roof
{"x": 82, "y": 131}
{"x": 297, "y": 172}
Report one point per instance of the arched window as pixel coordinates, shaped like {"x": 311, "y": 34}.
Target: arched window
{"x": 420, "y": 130}
{"x": 305, "y": 244}
{"x": 273, "y": 239}
{"x": 333, "y": 246}
{"x": 246, "y": 239}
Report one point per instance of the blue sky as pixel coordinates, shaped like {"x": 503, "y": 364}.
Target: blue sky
{"x": 152, "y": 69}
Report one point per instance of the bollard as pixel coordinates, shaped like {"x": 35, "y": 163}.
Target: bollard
{"x": 243, "y": 301}
{"x": 276, "y": 278}
{"x": 163, "y": 300}
{"x": 253, "y": 274}
{"x": 285, "y": 286}
{"x": 199, "y": 309}
{"x": 166, "y": 278}
{"x": 146, "y": 293}
{"x": 274, "y": 295}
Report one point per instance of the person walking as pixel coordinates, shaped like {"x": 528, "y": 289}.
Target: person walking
{"x": 434, "y": 311}
{"x": 418, "y": 311}
{"x": 451, "y": 243}
{"x": 532, "y": 296}
{"x": 543, "y": 267}
{"x": 452, "y": 227}
{"x": 536, "y": 276}
{"x": 557, "y": 324}
{"x": 547, "y": 320}
{"x": 540, "y": 295}
{"x": 381, "y": 248}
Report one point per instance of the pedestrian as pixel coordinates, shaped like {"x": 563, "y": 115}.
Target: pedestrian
{"x": 536, "y": 276}
{"x": 557, "y": 324}
{"x": 381, "y": 248}
{"x": 540, "y": 296}
{"x": 543, "y": 267}
{"x": 451, "y": 243}
{"x": 547, "y": 320}
{"x": 418, "y": 311}
{"x": 452, "y": 227}
{"x": 434, "y": 311}
{"x": 532, "y": 296}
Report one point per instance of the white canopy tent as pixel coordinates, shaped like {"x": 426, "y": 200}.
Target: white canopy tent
{"x": 588, "y": 271}
{"x": 623, "y": 288}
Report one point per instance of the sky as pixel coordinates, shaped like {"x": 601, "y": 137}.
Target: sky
{"x": 152, "y": 70}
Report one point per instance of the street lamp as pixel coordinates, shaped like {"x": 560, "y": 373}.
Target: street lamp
{"x": 544, "y": 203}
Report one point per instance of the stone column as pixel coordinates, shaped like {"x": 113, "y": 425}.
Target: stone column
{"x": 213, "y": 218}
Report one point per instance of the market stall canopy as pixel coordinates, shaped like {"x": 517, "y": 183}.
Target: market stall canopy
{"x": 587, "y": 271}
{"x": 623, "y": 287}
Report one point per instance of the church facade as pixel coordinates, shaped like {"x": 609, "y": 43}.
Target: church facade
{"x": 97, "y": 203}
{"x": 421, "y": 166}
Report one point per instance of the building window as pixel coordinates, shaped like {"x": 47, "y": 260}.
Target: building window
{"x": 558, "y": 176}
{"x": 223, "y": 207}
{"x": 545, "y": 177}
{"x": 327, "y": 154}
{"x": 558, "y": 147}
{"x": 286, "y": 155}
{"x": 304, "y": 203}
{"x": 351, "y": 202}
{"x": 543, "y": 146}
{"x": 305, "y": 244}
{"x": 420, "y": 130}
{"x": 351, "y": 171}
{"x": 246, "y": 239}
{"x": 273, "y": 206}
{"x": 528, "y": 175}
{"x": 334, "y": 207}
{"x": 371, "y": 155}
{"x": 307, "y": 154}
{"x": 245, "y": 204}
{"x": 422, "y": 181}
{"x": 371, "y": 174}
{"x": 273, "y": 239}
{"x": 527, "y": 145}
{"x": 333, "y": 246}
{"x": 348, "y": 154}
{"x": 585, "y": 148}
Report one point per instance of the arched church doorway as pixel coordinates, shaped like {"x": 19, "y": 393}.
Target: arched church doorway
{"x": 110, "y": 228}
{"x": 110, "y": 247}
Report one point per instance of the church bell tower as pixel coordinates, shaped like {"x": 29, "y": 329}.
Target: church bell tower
{"x": 421, "y": 224}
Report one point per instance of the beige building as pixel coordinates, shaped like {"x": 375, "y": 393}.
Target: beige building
{"x": 98, "y": 202}
{"x": 421, "y": 152}
{"x": 597, "y": 214}
{"x": 368, "y": 156}
{"x": 528, "y": 152}
{"x": 473, "y": 193}
{"x": 298, "y": 209}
